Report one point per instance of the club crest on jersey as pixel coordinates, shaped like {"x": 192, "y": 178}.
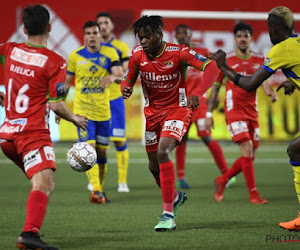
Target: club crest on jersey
{"x": 168, "y": 65}
{"x": 93, "y": 69}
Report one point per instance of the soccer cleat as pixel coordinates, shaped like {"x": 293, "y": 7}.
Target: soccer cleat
{"x": 231, "y": 181}
{"x": 99, "y": 197}
{"x": 90, "y": 187}
{"x": 166, "y": 222}
{"x": 181, "y": 199}
{"x": 31, "y": 240}
{"x": 293, "y": 225}
{"x": 123, "y": 188}
{"x": 182, "y": 183}
{"x": 256, "y": 199}
{"x": 219, "y": 188}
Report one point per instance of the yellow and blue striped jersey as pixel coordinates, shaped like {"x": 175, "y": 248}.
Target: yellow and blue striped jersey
{"x": 285, "y": 56}
{"x": 123, "y": 52}
{"x": 90, "y": 99}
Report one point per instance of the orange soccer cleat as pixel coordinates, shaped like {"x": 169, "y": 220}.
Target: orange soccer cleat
{"x": 220, "y": 186}
{"x": 99, "y": 197}
{"x": 293, "y": 225}
{"x": 256, "y": 199}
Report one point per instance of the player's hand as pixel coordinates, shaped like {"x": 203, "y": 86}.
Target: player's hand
{"x": 193, "y": 102}
{"x": 126, "y": 93}
{"x": 107, "y": 81}
{"x": 289, "y": 88}
{"x": 209, "y": 123}
{"x": 273, "y": 97}
{"x": 81, "y": 121}
{"x": 219, "y": 57}
{"x": 57, "y": 119}
{"x": 2, "y": 99}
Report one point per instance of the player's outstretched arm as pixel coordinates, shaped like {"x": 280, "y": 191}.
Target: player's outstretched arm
{"x": 2, "y": 98}
{"x": 60, "y": 109}
{"x": 289, "y": 88}
{"x": 116, "y": 76}
{"x": 249, "y": 83}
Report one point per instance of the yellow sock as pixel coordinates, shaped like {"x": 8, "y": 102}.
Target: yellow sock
{"x": 122, "y": 161}
{"x": 297, "y": 181}
{"x": 102, "y": 173}
{"x": 93, "y": 176}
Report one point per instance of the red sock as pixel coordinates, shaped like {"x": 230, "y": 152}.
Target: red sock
{"x": 180, "y": 160}
{"x": 248, "y": 170}
{"x": 234, "y": 170}
{"x": 167, "y": 184}
{"x": 218, "y": 155}
{"x": 35, "y": 211}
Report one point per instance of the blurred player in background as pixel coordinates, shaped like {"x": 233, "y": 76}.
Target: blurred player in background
{"x": 183, "y": 36}
{"x": 95, "y": 67}
{"x": 241, "y": 112}
{"x": 34, "y": 83}
{"x": 117, "y": 106}
{"x": 283, "y": 55}
{"x": 161, "y": 67}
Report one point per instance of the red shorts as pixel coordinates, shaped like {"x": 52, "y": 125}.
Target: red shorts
{"x": 199, "y": 117}
{"x": 171, "y": 124}
{"x": 242, "y": 131}
{"x": 31, "y": 152}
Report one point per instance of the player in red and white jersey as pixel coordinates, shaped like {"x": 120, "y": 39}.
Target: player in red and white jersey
{"x": 34, "y": 83}
{"x": 241, "y": 112}
{"x": 162, "y": 67}
{"x": 183, "y": 35}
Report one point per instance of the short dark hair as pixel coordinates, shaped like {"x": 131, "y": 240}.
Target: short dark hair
{"x": 90, "y": 24}
{"x": 36, "y": 19}
{"x": 242, "y": 26}
{"x": 184, "y": 26}
{"x": 105, "y": 14}
{"x": 155, "y": 22}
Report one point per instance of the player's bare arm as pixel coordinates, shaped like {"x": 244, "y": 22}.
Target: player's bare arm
{"x": 267, "y": 87}
{"x": 68, "y": 83}
{"x": 60, "y": 109}
{"x": 2, "y": 98}
{"x": 289, "y": 88}
{"x": 249, "y": 83}
{"x": 116, "y": 76}
{"x": 209, "y": 122}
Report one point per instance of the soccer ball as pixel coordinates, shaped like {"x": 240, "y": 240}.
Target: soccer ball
{"x": 81, "y": 156}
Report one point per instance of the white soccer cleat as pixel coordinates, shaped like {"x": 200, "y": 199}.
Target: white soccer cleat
{"x": 123, "y": 188}
{"x": 90, "y": 187}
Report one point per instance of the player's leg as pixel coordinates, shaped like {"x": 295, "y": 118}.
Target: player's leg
{"x": 293, "y": 151}
{"x": 118, "y": 136}
{"x": 102, "y": 144}
{"x": 39, "y": 166}
{"x": 180, "y": 163}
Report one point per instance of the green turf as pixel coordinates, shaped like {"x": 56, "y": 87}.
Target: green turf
{"x": 72, "y": 222}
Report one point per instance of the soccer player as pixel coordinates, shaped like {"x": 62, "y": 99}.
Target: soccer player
{"x": 183, "y": 36}
{"x": 161, "y": 67}
{"x": 117, "y": 107}
{"x": 241, "y": 112}
{"x": 95, "y": 67}
{"x": 34, "y": 82}
{"x": 283, "y": 55}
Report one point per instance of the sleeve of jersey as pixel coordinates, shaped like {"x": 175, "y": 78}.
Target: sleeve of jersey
{"x": 132, "y": 71}
{"x": 275, "y": 59}
{"x": 71, "y": 64}
{"x": 200, "y": 62}
{"x": 56, "y": 81}
{"x": 125, "y": 53}
{"x": 2, "y": 53}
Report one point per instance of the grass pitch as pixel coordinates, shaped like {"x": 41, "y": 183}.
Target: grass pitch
{"x": 72, "y": 222}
